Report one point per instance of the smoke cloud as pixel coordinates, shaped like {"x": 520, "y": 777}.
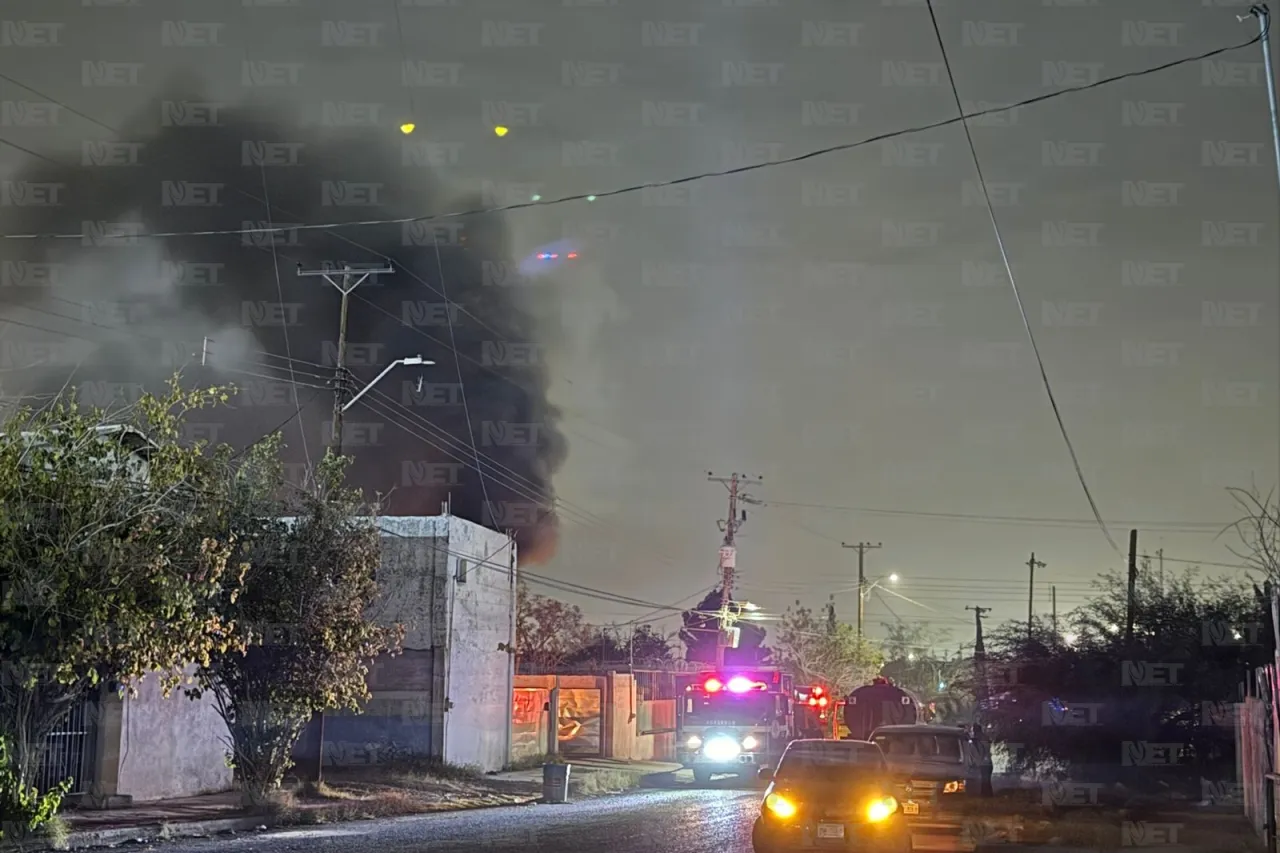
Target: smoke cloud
{"x": 115, "y": 314}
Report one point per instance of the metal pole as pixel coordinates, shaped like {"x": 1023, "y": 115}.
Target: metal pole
{"x": 1263, "y": 14}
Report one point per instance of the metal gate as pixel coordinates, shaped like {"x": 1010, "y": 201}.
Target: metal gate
{"x": 69, "y": 749}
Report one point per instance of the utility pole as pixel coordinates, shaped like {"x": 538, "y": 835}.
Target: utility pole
{"x": 729, "y": 553}
{"x": 1160, "y": 557}
{"x": 862, "y": 548}
{"x": 979, "y": 657}
{"x": 1131, "y": 602}
{"x": 1263, "y": 14}
{"x": 351, "y": 279}
{"x": 1053, "y": 593}
{"x": 1032, "y": 565}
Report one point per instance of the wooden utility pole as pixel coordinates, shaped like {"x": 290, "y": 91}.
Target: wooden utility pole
{"x": 979, "y": 656}
{"x": 1032, "y": 565}
{"x": 1053, "y": 593}
{"x": 862, "y": 548}
{"x": 1131, "y": 599}
{"x": 351, "y": 279}
{"x": 729, "y": 554}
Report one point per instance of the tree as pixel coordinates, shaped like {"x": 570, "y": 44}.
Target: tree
{"x": 643, "y": 646}
{"x": 701, "y": 626}
{"x": 108, "y": 568}
{"x": 1089, "y": 700}
{"x": 1259, "y": 531}
{"x": 305, "y": 637}
{"x": 914, "y": 662}
{"x": 548, "y": 631}
{"x": 816, "y": 652}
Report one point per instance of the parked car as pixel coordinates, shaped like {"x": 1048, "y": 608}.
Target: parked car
{"x": 933, "y": 765}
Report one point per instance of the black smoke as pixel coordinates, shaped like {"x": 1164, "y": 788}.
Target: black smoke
{"x": 116, "y": 314}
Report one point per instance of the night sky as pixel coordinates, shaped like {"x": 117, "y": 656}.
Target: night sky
{"x": 841, "y": 326}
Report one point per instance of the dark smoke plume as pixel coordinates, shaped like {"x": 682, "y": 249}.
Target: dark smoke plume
{"x": 131, "y": 311}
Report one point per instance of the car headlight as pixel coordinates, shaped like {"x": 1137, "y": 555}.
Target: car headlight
{"x": 722, "y": 749}
{"x": 749, "y": 742}
{"x": 878, "y": 810}
{"x": 780, "y": 806}
{"x": 693, "y": 742}
{"x": 955, "y": 787}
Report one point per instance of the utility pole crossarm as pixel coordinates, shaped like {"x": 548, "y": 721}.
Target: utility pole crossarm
{"x": 861, "y": 548}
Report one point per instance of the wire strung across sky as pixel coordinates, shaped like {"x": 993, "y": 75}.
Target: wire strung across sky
{"x": 635, "y": 188}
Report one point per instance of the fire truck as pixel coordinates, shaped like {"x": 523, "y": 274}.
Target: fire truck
{"x": 734, "y": 721}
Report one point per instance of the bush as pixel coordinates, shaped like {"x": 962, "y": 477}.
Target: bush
{"x": 24, "y": 811}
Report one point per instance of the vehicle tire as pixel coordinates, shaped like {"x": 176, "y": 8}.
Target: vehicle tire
{"x": 701, "y": 776}
{"x": 758, "y": 843}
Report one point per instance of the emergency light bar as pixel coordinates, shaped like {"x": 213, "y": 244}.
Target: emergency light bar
{"x": 736, "y": 684}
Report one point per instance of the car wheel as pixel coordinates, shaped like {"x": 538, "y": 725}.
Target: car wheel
{"x": 700, "y": 776}
{"x": 758, "y": 843}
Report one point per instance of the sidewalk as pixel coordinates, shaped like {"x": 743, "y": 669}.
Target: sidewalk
{"x": 580, "y": 767}
{"x": 216, "y": 814}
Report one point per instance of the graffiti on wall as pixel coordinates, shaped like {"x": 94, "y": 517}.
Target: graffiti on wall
{"x": 580, "y": 723}
{"x": 529, "y": 723}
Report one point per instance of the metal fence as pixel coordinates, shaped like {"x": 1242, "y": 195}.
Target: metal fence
{"x": 69, "y": 750}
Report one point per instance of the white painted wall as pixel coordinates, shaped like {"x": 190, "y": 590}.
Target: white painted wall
{"x": 171, "y": 747}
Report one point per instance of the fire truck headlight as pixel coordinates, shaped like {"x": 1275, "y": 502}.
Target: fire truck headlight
{"x": 722, "y": 749}
{"x": 693, "y": 742}
{"x": 749, "y": 743}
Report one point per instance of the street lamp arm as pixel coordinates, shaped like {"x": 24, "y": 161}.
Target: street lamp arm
{"x": 413, "y": 360}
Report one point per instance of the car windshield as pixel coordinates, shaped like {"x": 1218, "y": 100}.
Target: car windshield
{"x": 830, "y": 761}
{"x": 926, "y": 747}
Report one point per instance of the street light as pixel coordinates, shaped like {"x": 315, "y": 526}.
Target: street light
{"x": 893, "y": 579}
{"x": 411, "y": 360}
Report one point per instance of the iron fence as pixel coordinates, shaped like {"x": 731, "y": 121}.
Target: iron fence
{"x": 69, "y": 750}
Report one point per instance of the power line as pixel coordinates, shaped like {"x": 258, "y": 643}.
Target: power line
{"x": 288, "y": 349}
{"x": 701, "y": 176}
{"x": 1013, "y": 282}
{"x": 1162, "y": 526}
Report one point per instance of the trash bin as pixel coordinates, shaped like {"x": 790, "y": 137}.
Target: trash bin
{"x": 555, "y": 783}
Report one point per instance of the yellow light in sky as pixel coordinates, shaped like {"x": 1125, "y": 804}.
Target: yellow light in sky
{"x": 501, "y": 131}
{"x": 407, "y": 128}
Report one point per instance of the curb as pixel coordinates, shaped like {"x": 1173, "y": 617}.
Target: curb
{"x": 151, "y": 832}
{"x": 144, "y": 833}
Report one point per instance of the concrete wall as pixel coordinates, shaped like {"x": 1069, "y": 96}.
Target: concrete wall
{"x": 620, "y": 717}
{"x": 478, "y": 720}
{"x": 171, "y": 747}
{"x": 448, "y": 695}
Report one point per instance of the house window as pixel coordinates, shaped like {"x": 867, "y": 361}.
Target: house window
{"x": 462, "y": 570}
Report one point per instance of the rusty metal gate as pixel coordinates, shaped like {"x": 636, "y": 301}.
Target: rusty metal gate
{"x": 69, "y": 749}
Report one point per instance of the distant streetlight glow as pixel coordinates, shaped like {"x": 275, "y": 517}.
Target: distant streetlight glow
{"x": 893, "y": 578}
{"x": 500, "y": 131}
{"x": 407, "y": 128}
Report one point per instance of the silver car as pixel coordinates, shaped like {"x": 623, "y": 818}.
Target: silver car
{"x": 935, "y": 765}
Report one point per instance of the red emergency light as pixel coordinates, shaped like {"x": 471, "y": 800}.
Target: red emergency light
{"x": 712, "y": 685}
{"x": 822, "y": 701}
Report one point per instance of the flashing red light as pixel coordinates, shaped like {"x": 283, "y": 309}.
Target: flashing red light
{"x": 813, "y": 700}
{"x": 712, "y": 685}
{"x": 571, "y": 255}
{"x": 740, "y": 684}
{"x": 822, "y": 701}
{"x": 817, "y": 691}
